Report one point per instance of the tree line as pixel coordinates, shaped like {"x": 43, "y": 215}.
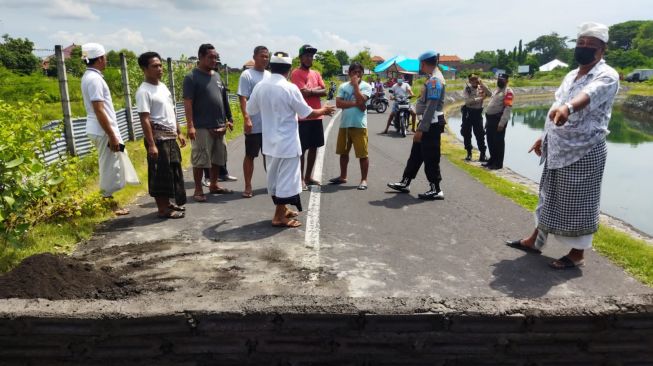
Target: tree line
{"x": 630, "y": 46}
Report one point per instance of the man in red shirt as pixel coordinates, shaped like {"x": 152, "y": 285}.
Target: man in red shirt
{"x": 311, "y": 131}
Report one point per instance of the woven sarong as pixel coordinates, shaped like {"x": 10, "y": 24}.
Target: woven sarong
{"x": 571, "y": 195}
{"x": 164, "y": 175}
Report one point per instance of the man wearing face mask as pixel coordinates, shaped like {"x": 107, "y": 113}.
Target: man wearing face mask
{"x": 474, "y": 93}
{"x": 573, "y": 151}
{"x": 497, "y": 115}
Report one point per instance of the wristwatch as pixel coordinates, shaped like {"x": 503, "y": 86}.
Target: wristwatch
{"x": 570, "y": 107}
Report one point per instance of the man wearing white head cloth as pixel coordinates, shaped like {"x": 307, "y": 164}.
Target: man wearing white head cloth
{"x": 573, "y": 150}
{"x": 279, "y": 102}
{"x": 102, "y": 126}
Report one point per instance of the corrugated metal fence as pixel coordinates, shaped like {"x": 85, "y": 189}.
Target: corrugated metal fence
{"x": 83, "y": 144}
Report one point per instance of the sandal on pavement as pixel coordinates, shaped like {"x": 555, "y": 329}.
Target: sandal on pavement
{"x": 247, "y": 194}
{"x": 337, "y": 180}
{"x": 221, "y": 190}
{"x": 313, "y": 182}
{"x": 174, "y": 207}
{"x": 566, "y": 263}
{"x": 121, "y": 212}
{"x": 362, "y": 187}
{"x": 199, "y": 197}
{"x": 172, "y": 215}
{"x": 290, "y": 214}
{"x": 290, "y": 223}
{"x": 518, "y": 245}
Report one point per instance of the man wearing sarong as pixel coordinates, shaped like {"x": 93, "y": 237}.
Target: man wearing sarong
{"x": 279, "y": 103}
{"x": 161, "y": 130}
{"x": 102, "y": 126}
{"x": 573, "y": 151}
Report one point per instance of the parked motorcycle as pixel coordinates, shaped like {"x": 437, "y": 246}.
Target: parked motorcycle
{"x": 378, "y": 103}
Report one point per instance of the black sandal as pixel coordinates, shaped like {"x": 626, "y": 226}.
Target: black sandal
{"x": 518, "y": 245}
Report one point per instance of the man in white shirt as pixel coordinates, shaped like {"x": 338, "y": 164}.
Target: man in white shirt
{"x": 102, "y": 125}
{"x": 161, "y": 130}
{"x": 253, "y": 136}
{"x": 400, "y": 89}
{"x": 279, "y": 102}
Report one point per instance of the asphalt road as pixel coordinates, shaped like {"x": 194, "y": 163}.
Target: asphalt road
{"x": 372, "y": 243}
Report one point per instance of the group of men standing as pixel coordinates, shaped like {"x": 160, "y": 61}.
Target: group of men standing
{"x": 283, "y": 120}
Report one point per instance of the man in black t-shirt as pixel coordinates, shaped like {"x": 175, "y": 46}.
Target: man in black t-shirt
{"x": 208, "y": 116}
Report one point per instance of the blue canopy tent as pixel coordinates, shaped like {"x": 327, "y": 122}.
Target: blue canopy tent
{"x": 405, "y": 65}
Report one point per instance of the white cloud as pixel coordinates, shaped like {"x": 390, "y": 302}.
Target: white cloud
{"x": 70, "y": 9}
{"x": 123, "y": 38}
{"x": 331, "y": 41}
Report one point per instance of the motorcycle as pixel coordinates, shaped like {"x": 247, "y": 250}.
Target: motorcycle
{"x": 332, "y": 90}
{"x": 378, "y": 103}
{"x": 402, "y": 115}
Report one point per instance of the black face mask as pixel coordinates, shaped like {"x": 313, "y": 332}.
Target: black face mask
{"x": 584, "y": 55}
{"x": 501, "y": 84}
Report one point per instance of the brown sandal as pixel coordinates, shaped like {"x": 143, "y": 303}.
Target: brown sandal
{"x": 288, "y": 224}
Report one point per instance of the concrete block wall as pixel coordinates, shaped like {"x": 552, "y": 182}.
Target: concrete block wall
{"x": 330, "y": 339}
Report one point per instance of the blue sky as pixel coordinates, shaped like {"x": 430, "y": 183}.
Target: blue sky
{"x": 409, "y": 27}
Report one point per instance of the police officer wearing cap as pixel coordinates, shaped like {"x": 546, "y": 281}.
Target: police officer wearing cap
{"x": 497, "y": 115}
{"x": 426, "y": 141}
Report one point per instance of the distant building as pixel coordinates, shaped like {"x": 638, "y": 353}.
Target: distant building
{"x": 378, "y": 60}
{"x": 248, "y": 65}
{"x": 45, "y": 62}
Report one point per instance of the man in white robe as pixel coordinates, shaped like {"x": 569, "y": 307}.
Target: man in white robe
{"x": 279, "y": 102}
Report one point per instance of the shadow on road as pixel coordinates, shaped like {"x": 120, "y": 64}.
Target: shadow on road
{"x": 397, "y": 200}
{"x": 250, "y": 232}
{"x": 529, "y": 276}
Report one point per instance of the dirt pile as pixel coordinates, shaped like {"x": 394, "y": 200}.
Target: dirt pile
{"x": 59, "y": 277}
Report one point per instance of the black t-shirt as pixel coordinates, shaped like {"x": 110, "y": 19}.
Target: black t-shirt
{"x": 209, "y": 95}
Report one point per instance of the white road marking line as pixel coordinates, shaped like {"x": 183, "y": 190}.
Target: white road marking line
{"x": 312, "y": 234}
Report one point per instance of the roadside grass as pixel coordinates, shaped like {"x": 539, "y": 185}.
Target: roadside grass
{"x": 643, "y": 89}
{"x": 635, "y": 256}
{"x": 62, "y": 236}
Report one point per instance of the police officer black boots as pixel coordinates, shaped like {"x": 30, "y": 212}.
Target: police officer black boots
{"x": 434, "y": 193}
{"x": 483, "y": 158}
{"x": 469, "y": 155}
{"x": 401, "y": 186}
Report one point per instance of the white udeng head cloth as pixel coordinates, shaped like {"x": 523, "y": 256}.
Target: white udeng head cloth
{"x": 281, "y": 58}
{"x": 92, "y": 50}
{"x": 596, "y": 30}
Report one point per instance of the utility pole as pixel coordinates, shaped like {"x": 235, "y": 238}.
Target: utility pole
{"x": 171, "y": 84}
{"x": 65, "y": 101}
{"x": 128, "y": 98}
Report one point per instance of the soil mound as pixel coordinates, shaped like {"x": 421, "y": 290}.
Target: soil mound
{"x": 59, "y": 277}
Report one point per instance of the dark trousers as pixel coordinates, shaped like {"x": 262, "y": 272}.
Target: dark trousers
{"x": 428, "y": 152}
{"x": 473, "y": 121}
{"x": 496, "y": 141}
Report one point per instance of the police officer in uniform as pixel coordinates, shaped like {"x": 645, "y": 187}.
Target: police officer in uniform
{"x": 426, "y": 141}
{"x": 497, "y": 115}
{"x": 474, "y": 94}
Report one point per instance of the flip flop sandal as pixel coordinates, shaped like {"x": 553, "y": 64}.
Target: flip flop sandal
{"x": 172, "y": 215}
{"x": 247, "y": 194}
{"x": 566, "y": 263}
{"x": 121, "y": 212}
{"x": 176, "y": 208}
{"x": 312, "y": 182}
{"x": 290, "y": 214}
{"x": 337, "y": 180}
{"x": 516, "y": 244}
{"x": 199, "y": 198}
{"x": 221, "y": 191}
{"x": 362, "y": 187}
{"x": 289, "y": 224}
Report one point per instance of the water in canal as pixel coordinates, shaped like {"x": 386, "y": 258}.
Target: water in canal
{"x": 628, "y": 177}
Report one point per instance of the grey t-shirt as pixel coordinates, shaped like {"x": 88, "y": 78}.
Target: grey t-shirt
{"x": 209, "y": 95}
{"x": 248, "y": 79}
